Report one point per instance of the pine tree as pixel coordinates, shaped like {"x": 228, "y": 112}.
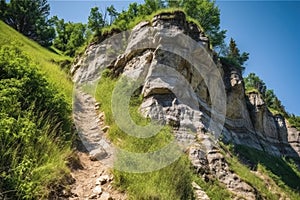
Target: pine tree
{"x": 112, "y": 12}
{"x": 95, "y": 20}
{"x": 234, "y": 52}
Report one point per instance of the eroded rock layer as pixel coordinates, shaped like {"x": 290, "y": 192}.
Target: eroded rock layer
{"x": 177, "y": 76}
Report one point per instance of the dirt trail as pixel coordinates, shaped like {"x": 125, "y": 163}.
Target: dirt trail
{"x": 93, "y": 179}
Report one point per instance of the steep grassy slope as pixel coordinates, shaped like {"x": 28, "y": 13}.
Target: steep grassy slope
{"x": 46, "y": 60}
{"x": 35, "y": 123}
{"x": 272, "y": 177}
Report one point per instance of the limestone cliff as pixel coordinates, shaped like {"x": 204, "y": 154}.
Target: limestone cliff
{"x": 178, "y": 94}
{"x": 248, "y": 120}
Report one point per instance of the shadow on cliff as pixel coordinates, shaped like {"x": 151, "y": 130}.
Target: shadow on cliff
{"x": 282, "y": 170}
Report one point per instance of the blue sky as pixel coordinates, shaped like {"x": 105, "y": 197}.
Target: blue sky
{"x": 268, "y": 30}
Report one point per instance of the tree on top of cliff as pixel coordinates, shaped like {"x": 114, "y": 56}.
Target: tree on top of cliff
{"x": 234, "y": 53}
{"x": 112, "y": 12}
{"x": 96, "y": 20}
{"x": 207, "y": 14}
{"x": 135, "y": 11}
{"x": 230, "y": 55}
{"x": 252, "y": 81}
{"x": 204, "y": 11}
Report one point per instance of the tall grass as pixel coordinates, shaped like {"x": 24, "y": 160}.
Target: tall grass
{"x": 274, "y": 176}
{"x": 171, "y": 182}
{"x": 34, "y": 118}
{"x": 213, "y": 188}
{"x": 31, "y": 163}
{"x": 44, "y": 59}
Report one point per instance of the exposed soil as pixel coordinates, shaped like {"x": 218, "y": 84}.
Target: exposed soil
{"x": 93, "y": 179}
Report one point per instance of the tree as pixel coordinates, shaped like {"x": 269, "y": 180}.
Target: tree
{"x": 254, "y": 82}
{"x": 269, "y": 97}
{"x": 137, "y": 10}
{"x": 76, "y": 38}
{"x": 95, "y": 20}
{"x": 234, "y": 53}
{"x": 133, "y": 10}
{"x": 271, "y": 100}
{"x": 29, "y": 17}
{"x": 112, "y": 12}
{"x": 126, "y": 16}
{"x": 230, "y": 55}
{"x": 277, "y": 105}
{"x": 173, "y": 4}
{"x": 150, "y": 6}
{"x": 61, "y": 38}
{"x": 294, "y": 121}
{"x": 207, "y": 14}
{"x": 69, "y": 36}
{"x": 3, "y": 9}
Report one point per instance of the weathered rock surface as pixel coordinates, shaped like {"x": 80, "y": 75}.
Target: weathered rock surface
{"x": 199, "y": 193}
{"x": 177, "y": 93}
{"x": 293, "y": 137}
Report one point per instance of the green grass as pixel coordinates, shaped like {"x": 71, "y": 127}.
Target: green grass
{"x": 170, "y": 182}
{"x": 45, "y": 59}
{"x": 294, "y": 121}
{"x": 123, "y": 25}
{"x": 275, "y": 112}
{"x": 36, "y": 178}
{"x": 279, "y": 166}
{"x": 279, "y": 174}
{"x": 33, "y": 147}
{"x": 251, "y": 90}
{"x": 213, "y": 189}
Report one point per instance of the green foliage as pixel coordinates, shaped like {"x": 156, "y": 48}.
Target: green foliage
{"x": 95, "y": 20}
{"x": 213, "y": 188}
{"x": 269, "y": 97}
{"x": 272, "y": 177}
{"x": 207, "y": 14}
{"x": 203, "y": 12}
{"x": 34, "y": 128}
{"x": 29, "y": 17}
{"x": 171, "y": 182}
{"x": 45, "y": 60}
{"x": 294, "y": 121}
{"x": 137, "y": 12}
{"x": 69, "y": 36}
{"x": 253, "y": 82}
{"x": 234, "y": 53}
{"x": 150, "y": 6}
{"x": 15, "y": 66}
{"x": 112, "y": 12}
{"x": 3, "y": 9}
{"x": 282, "y": 171}
{"x": 231, "y": 55}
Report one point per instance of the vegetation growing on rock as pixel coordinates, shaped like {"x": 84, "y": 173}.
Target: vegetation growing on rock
{"x": 35, "y": 103}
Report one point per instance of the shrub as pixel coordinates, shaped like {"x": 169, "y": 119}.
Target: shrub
{"x": 34, "y": 128}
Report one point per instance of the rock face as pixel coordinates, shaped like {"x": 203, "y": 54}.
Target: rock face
{"x": 177, "y": 93}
